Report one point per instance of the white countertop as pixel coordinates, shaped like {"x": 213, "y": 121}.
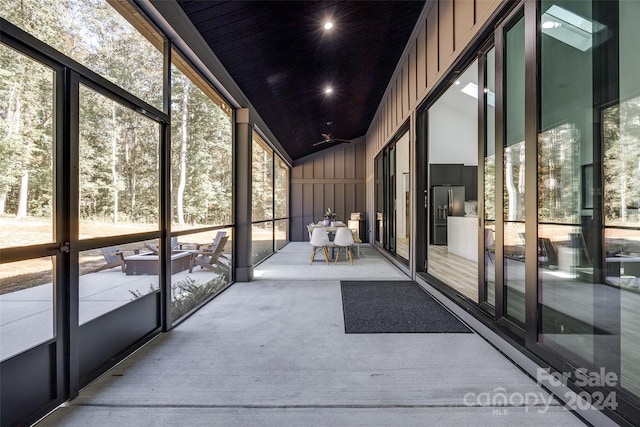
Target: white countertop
{"x": 462, "y": 236}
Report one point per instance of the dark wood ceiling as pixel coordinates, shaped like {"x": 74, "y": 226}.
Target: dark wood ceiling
{"x": 282, "y": 59}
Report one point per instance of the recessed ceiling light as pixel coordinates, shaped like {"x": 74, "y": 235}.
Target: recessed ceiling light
{"x": 457, "y": 82}
{"x": 328, "y": 25}
{"x": 328, "y": 90}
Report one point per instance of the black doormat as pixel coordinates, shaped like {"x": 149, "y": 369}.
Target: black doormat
{"x": 394, "y": 307}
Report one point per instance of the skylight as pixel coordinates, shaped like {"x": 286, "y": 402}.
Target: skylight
{"x": 570, "y": 28}
{"x": 471, "y": 89}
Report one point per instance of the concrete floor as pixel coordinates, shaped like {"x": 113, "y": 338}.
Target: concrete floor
{"x": 273, "y": 352}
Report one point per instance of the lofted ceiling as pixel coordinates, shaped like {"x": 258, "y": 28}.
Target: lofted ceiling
{"x": 282, "y": 59}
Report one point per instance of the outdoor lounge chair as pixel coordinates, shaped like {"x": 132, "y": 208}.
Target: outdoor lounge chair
{"x": 216, "y": 241}
{"x": 209, "y": 257}
{"x": 113, "y": 258}
{"x": 175, "y": 246}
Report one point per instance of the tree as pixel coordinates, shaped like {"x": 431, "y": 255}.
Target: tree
{"x": 183, "y": 151}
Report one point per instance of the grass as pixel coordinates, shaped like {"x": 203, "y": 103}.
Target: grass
{"x": 15, "y": 232}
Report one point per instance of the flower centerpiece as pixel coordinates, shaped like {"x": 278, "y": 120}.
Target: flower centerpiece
{"x": 329, "y": 217}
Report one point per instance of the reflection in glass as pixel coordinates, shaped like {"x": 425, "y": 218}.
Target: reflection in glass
{"x": 281, "y": 232}
{"x": 97, "y": 36}
{"x": 118, "y": 168}
{"x": 281, "y": 189}
{"x": 379, "y": 198}
{"x": 201, "y": 151}
{"x": 514, "y": 173}
{"x": 565, "y": 241}
{"x": 622, "y": 232}
{"x": 261, "y": 241}
{"x": 201, "y": 268}
{"x": 26, "y": 296}
{"x": 26, "y": 150}
{"x": 110, "y": 277}
{"x": 261, "y": 179}
{"x": 403, "y": 197}
{"x": 490, "y": 178}
{"x": 621, "y": 169}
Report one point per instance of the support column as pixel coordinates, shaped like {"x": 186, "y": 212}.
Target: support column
{"x": 242, "y": 194}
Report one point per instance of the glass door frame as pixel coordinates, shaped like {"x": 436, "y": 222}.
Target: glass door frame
{"x": 389, "y": 202}
{"x": 87, "y": 370}
{"x": 482, "y": 141}
{"x": 494, "y": 38}
{"x": 500, "y": 313}
{"x": 58, "y": 359}
{"x": 48, "y": 358}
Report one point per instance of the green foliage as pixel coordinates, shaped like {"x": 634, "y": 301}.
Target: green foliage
{"x": 208, "y": 156}
{"x": 119, "y": 150}
{"x": 261, "y": 181}
{"x": 559, "y": 175}
{"x": 621, "y": 135}
{"x": 187, "y": 294}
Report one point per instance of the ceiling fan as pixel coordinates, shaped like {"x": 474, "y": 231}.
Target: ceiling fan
{"x": 328, "y": 138}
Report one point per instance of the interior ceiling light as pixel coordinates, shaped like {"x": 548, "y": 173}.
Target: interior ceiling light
{"x": 570, "y": 28}
{"x": 471, "y": 89}
{"x": 328, "y": 25}
{"x": 328, "y": 90}
{"x": 550, "y": 24}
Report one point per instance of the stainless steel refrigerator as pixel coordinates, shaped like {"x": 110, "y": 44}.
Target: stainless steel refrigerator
{"x": 446, "y": 201}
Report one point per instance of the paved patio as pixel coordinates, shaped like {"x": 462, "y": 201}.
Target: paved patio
{"x": 273, "y": 352}
{"x": 26, "y": 316}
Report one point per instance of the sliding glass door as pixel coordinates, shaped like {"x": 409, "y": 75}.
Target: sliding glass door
{"x": 393, "y": 197}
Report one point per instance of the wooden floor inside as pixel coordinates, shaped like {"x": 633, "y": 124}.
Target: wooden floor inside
{"x": 402, "y": 247}
{"x": 458, "y": 272}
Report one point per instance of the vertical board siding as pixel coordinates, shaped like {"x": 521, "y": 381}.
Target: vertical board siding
{"x": 339, "y": 165}
{"x": 319, "y": 202}
{"x": 318, "y": 168}
{"x": 392, "y": 97}
{"x": 402, "y": 88}
{"x": 338, "y": 182}
{"x": 329, "y": 200}
{"x": 421, "y": 65}
{"x": 307, "y": 204}
{"x": 329, "y": 164}
{"x": 440, "y": 38}
{"x": 360, "y": 169}
{"x": 296, "y": 203}
{"x": 463, "y": 18}
{"x": 413, "y": 81}
{"x": 338, "y": 197}
{"x": 432, "y": 46}
{"x": 483, "y": 9}
{"x": 445, "y": 29}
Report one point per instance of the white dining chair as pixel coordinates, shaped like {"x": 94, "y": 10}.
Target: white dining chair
{"x": 310, "y": 228}
{"x": 343, "y": 239}
{"x": 319, "y": 239}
